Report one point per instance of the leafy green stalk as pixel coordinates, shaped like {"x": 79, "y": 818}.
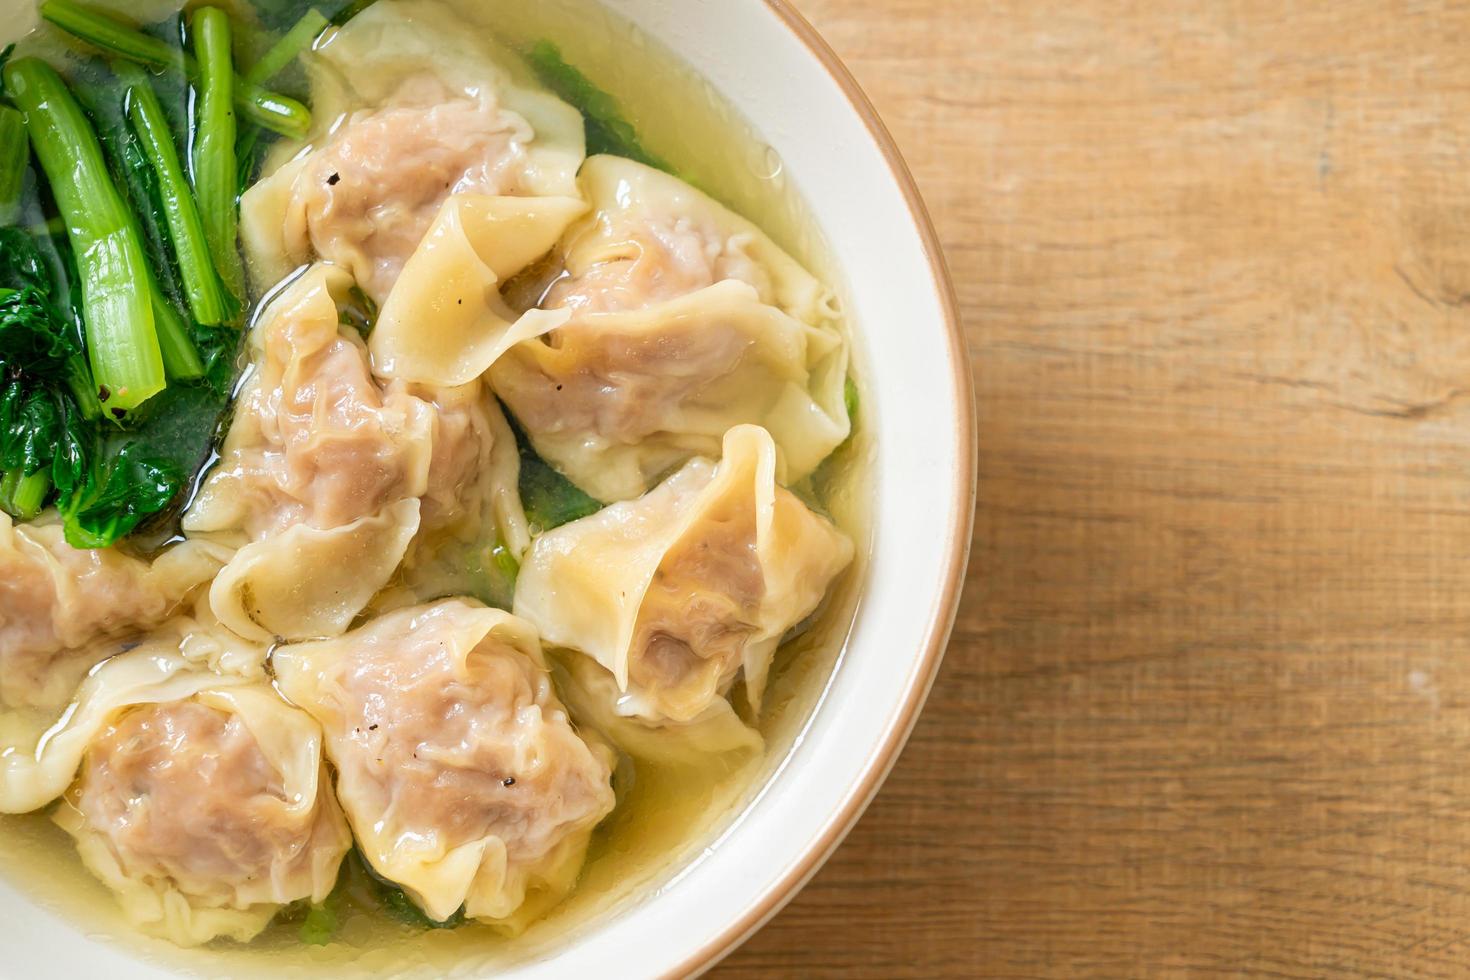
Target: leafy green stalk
{"x": 30, "y": 494}
{"x": 107, "y": 101}
{"x": 9, "y": 480}
{"x": 83, "y": 388}
{"x": 104, "y": 31}
{"x": 201, "y": 282}
{"x": 13, "y": 154}
{"x": 214, "y": 145}
{"x": 180, "y": 359}
{"x": 295, "y": 41}
{"x": 269, "y": 109}
{"x": 121, "y": 338}
{"x": 608, "y": 131}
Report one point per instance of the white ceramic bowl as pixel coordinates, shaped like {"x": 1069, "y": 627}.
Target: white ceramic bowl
{"x": 777, "y": 72}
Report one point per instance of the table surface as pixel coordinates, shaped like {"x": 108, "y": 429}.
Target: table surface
{"x": 1207, "y": 706}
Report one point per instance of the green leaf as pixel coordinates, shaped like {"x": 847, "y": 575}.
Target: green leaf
{"x": 550, "y": 499}
{"x": 607, "y": 129}
{"x": 33, "y": 336}
{"x": 135, "y": 488}
{"x": 21, "y": 264}
{"x": 30, "y": 438}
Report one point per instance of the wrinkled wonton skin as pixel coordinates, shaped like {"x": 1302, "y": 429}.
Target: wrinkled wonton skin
{"x": 445, "y": 322}
{"x": 40, "y": 748}
{"x": 678, "y": 591}
{"x": 592, "y": 695}
{"x": 56, "y": 600}
{"x": 430, "y": 111}
{"x": 319, "y": 477}
{"x": 206, "y": 814}
{"x": 458, "y": 768}
{"x": 328, "y": 480}
{"x": 686, "y": 320}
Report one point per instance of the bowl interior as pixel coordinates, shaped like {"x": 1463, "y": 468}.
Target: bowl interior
{"x": 918, "y": 408}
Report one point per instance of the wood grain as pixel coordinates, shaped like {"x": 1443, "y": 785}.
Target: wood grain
{"x": 1207, "y": 707}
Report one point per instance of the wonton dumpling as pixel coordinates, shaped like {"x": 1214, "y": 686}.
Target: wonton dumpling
{"x": 55, "y": 600}
{"x": 313, "y": 439}
{"x": 432, "y": 112}
{"x": 686, "y": 320}
{"x": 678, "y": 591}
{"x": 457, "y": 766}
{"x": 651, "y": 237}
{"x": 472, "y": 509}
{"x": 321, "y": 467}
{"x": 40, "y": 746}
{"x": 206, "y": 814}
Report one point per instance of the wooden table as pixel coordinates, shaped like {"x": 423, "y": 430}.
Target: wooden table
{"x": 1207, "y": 708}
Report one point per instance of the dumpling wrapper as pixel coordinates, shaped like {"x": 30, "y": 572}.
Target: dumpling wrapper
{"x": 305, "y": 583}
{"x": 410, "y": 107}
{"x": 472, "y": 517}
{"x": 313, "y": 438}
{"x": 206, "y": 811}
{"x": 56, "y": 601}
{"x": 444, "y": 322}
{"x": 592, "y": 694}
{"x": 40, "y": 750}
{"x": 651, "y": 237}
{"x": 678, "y": 591}
{"x": 616, "y": 400}
{"x": 686, "y": 321}
{"x": 457, "y": 766}
{"x": 319, "y": 479}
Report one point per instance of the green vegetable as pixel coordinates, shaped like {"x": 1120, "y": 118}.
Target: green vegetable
{"x": 350, "y": 10}
{"x": 32, "y": 335}
{"x": 180, "y": 359}
{"x": 390, "y": 898}
{"x": 13, "y": 156}
{"x": 358, "y": 311}
{"x": 291, "y": 45}
{"x": 215, "y": 167}
{"x": 269, "y": 109}
{"x": 505, "y": 566}
{"x": 132, "y": 488}
{"x": 39, "y": 421}
{"x": 29, "y": 493}
{"x": 401, "y": 907}
{"x": 608, "y": 131}
{"x": 105, "y": 31}
{"x": 550, "y": 499}
{"x": 850, "y": 399}
{"x": 121, "y": 338}
{"x": 22, "y": 266}
{"x": 107, "y": 102}
{"x": 320, "y": 923}
{"x": 201, "y": 283}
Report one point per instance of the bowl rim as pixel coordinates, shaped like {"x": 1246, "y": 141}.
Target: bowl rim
{"x": 960, "y": 524}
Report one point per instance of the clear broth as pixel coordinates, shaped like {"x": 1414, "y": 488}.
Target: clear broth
{"x": 666, "y": 819}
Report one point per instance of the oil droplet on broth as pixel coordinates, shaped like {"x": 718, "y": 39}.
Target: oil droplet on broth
{"x": 767, "y": 165}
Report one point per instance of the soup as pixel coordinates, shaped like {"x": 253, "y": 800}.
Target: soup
{"x": 497, "y": 509}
